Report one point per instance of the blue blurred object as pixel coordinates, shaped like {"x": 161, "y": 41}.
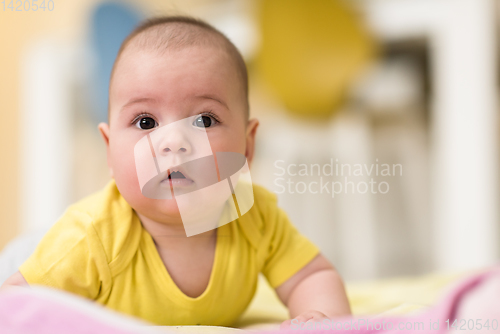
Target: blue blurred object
{"x": 111, "y": 22}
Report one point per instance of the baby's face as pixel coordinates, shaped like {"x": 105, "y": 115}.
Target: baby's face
{"x": 149, "y": 91}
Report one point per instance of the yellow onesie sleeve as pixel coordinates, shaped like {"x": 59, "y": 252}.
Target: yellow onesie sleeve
{"x": 70, "y": 257}
{"x": 289, "y": 251}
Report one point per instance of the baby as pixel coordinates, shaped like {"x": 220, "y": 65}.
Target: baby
{"x": 131, "y": 252}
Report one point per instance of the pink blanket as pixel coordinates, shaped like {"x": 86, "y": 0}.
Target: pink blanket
{"x": 38, "y": 310}
{"x": 474, "y": 304}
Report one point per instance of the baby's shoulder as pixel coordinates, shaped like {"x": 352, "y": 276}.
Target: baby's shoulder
{"x": 264, "y": 202}
{"x": 104, "y": 205}
{"x": 261, "y": 219}
{"x": 263, "y": 197}
{"x": 104, "y": 216}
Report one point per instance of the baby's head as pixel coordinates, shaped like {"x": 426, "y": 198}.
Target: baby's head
{"x": 169, "y": 69}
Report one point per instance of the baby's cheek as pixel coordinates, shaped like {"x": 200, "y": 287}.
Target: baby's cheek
{"x": 129, "y": 188}
{"x": 126, "y": 179}
{"x": 125, "y": 172}
{"x": 228, "y": 144}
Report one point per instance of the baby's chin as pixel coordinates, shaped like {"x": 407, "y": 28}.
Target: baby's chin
{"x": 163, "y": 211}
{"x": 156, "y": 209}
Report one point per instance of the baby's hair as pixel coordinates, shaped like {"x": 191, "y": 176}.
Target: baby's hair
{"x": 176, "y": 32}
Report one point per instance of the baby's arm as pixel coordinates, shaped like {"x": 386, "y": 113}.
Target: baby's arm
{"x": 16, "y": 279}
{"x": 315, "y": 292}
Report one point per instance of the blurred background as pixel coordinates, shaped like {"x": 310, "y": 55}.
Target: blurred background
{"x": 399, "y": 94}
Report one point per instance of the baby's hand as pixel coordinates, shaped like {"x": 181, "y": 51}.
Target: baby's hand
{"x": 302, "y": 319}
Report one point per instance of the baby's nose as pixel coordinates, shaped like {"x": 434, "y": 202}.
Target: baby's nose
{"x": 175, "y": 144}
{"x": 174, "y": 149}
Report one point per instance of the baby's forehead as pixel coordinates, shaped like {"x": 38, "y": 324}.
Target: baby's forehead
{"x": 148, "y": 67}
{"x": 176, "y": 77}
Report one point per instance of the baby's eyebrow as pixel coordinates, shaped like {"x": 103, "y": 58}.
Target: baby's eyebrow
{"x": 138, "y": 100}
{"x": 213, "y": 97}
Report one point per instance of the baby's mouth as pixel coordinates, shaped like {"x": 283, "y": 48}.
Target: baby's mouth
{"x": 176, "y": 175}
{"x": 177, "y": 178}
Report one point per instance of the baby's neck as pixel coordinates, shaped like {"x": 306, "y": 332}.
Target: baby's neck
{"x": 172, "y": 237}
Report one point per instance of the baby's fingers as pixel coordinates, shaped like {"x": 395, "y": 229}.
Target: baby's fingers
{"x": 286, "y": 324}
{"x": 303, "y": 320}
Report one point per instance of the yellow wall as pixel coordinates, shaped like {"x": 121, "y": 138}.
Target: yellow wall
{"x": 67, "y": 22}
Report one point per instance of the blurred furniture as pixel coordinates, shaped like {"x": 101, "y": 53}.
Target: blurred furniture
{"x": 464, "y": 120}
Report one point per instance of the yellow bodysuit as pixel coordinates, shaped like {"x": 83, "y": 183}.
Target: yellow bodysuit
{"x": 99, "y": 250}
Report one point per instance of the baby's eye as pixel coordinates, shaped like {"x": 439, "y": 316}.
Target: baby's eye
{"x": 146, "y": 123}
{"x": 204, "y": 121}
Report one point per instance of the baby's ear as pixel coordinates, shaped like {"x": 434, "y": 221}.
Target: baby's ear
{"x": 252, "y": 126}
{"x": 104, "y": 130}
